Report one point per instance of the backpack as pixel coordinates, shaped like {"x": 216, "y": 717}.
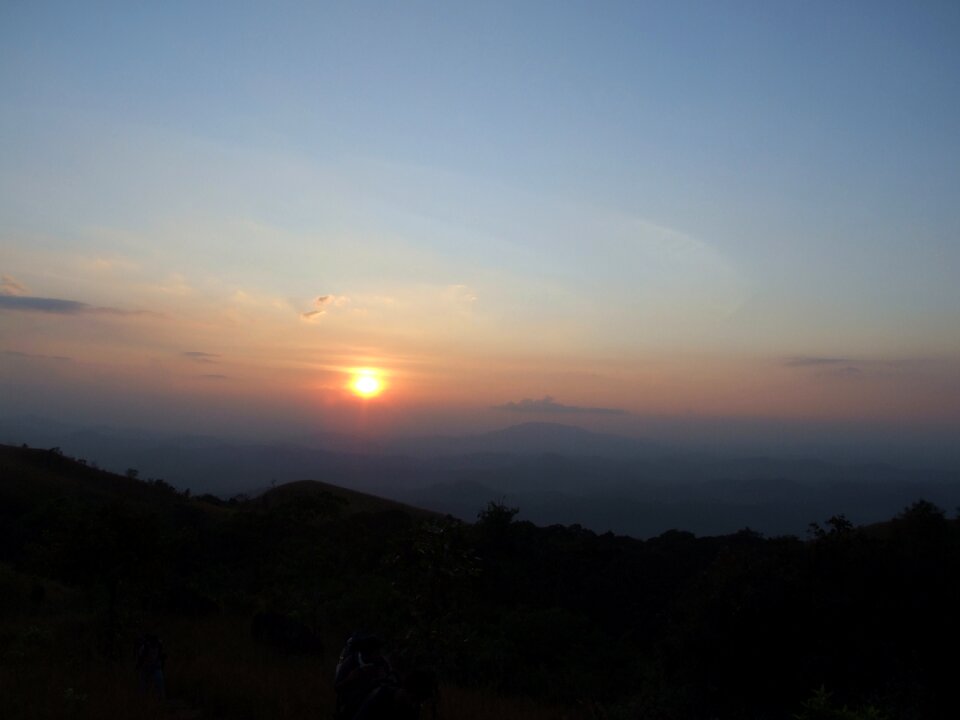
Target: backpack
{"x": 401, "y": 697}
{"x": 150, "y": 655}
{"x": 361, "y": 670}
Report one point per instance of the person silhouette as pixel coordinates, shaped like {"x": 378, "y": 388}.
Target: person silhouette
{"x": 151, "y": 660}
{"x": 361, "y": 670}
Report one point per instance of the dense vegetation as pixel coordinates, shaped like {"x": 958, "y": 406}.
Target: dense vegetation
{"x": 518, "y": 620}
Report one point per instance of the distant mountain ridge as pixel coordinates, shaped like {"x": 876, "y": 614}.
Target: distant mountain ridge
{"x": 532, "y": 438}
{"x": 553, "y": 473}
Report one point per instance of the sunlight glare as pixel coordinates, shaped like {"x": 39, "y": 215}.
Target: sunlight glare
{"x": 366, "y": 384}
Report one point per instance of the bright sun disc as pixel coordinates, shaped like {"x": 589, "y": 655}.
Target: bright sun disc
{"x": 366, "y": 385}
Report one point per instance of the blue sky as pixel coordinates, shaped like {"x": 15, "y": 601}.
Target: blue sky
{"x": 653, "y": 206}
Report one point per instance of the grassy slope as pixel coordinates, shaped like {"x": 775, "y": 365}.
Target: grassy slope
{"x": 35, "y": 475}
{"x": 50, "y": 664}
{"x": 353, "y": 501}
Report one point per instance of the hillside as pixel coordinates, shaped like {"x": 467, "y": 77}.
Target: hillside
{"x": 30, "y": 475}
{"x": 350, "y": 501}
{"x": 515, "y": 620}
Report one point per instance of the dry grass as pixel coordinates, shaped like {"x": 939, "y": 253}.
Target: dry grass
{"x": 223, "y": 673}
{"x": 470, "y": 704}
{"x": 51, "y": 669}
{"x": 40, "y": 685}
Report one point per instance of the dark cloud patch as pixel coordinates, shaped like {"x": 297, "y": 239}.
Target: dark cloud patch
{"x": 548, "y": 405}
{"x": 201, "y": 357}
{"x": 808, "y": 361}
{"x": 37, "y": 356}
{"x": 57, "y": 306}
{"x": 827, "y": 367}
{"x": 53, "y": 306}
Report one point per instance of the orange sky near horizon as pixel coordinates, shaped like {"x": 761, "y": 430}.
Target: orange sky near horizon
{"x": 264, "y": 356}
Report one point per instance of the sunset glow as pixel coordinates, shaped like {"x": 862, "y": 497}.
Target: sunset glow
{"x": 476, "y": 223}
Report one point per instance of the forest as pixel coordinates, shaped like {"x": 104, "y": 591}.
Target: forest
{"x": 254, "y": 597}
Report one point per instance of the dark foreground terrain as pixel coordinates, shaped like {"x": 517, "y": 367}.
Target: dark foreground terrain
{"x": 254, "y": 597}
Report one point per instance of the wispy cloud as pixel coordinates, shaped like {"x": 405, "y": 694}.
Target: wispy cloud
{"x": 547, "y": 404}
{"x": 201, "y": 357}
{"x": 10, "y": 286}
{"x": 459, "y": 294}
{"x": 324, "y": 303}
{"x": 111, "y": 264}
{"x": 58, "y": 306}
{"x": 828, "y": 367}
{"x": 813, "y": 361}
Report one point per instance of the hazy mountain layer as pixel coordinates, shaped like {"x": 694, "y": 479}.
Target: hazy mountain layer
{"x": 553, "y": 473}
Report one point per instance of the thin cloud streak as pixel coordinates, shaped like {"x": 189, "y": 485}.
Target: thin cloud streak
{"x": 201, "y": 357}
{"x": 58, "y": 306}
{"x": 547, "y": 404}
{"x": 813, "y": 361}
{"x": 37, "y": 356}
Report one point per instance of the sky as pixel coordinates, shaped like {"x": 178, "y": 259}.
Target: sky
{"x": 213, "y": 215}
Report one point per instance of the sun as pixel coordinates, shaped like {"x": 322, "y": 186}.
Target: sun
{"x": 366, "y": 384}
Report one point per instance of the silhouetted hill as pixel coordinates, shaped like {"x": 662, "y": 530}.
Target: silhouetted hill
{"x": 352, "y": 501}
{"x": 29, "y": 475}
